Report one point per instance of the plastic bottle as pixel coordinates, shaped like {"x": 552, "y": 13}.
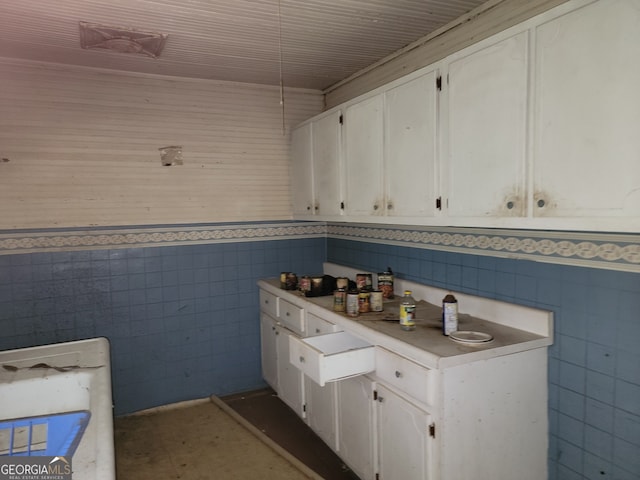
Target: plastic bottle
{"x": 449, "y": 314}
{"x": 408, "y": 311}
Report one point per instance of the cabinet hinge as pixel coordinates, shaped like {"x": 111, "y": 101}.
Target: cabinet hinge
{"x": 439, "y": 203}
{"x": 432, "y": 430}
{"x": 341, "y": 120}
{"x": 341, "y": 205}
{"x": 377, "y": 476}
{"x": 439, "y": 82}
{"x": 304, "y": 407}
{"x": 375, "y": 395}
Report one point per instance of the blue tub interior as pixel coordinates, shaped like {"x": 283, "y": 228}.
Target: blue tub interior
{"x": 47, "y": 435}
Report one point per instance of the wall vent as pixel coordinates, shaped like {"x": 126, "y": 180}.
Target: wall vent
{"x": 120, "y": 39}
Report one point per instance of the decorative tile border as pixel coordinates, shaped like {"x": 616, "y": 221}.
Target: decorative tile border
{"x": 610, "y": 251}
{"x": 94, "y": 239}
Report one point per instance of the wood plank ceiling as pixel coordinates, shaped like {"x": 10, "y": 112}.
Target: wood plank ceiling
{"x": 320, "y": 41}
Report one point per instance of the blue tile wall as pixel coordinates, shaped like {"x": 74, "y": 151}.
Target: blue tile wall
{"x": 594, "y": 364}
{"x": 182, "y": 320}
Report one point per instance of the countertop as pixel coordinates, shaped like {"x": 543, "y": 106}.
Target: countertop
{"x": 426, "y": 343}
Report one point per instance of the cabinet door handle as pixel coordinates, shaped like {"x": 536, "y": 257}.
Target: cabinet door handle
{"x": 380, "y": 399}
{"x": 266, "y": 302}
{"x": 317, "y": 330}
{"x": 398, "y": 374}
{"x": 375, "y": 207}
{"x": 390, "y": 206}
{"x": 287, "y": 314}
{"x": 541, "y": 203}
{"x": 301, "y": 359}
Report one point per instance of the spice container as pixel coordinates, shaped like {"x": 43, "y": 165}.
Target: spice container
{"x": 449, "y": 314}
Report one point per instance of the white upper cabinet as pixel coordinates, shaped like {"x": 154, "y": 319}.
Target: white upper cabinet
{"x": 316, "y": 149}
{"x": 364, "y": 157}
{"x": 302, "y": 192}
{"x": 390, "y": 151}
{"x": 537, "y": 127}
{"x": 587, "y": 114}
{"x": 326, "y": 148}
{"x": 486, "y": 125}
{"x": 411, "y": 182}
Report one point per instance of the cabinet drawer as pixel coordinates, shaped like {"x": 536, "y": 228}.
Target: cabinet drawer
{"x": 291, "y": 316}
{"x": 319, "y": 326}
{"x": 269, "y": 303}
{"x": 332, "y": 356}
{"x": 405, "y": 375}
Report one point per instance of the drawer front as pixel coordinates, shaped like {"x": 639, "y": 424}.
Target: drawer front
{"x": 291, "y": 316}
{"x": 319, "y": 326}
{"x": 305, "y": 358}
{"x": 331, "y": 356}
{"x": 269, "y": 303}
{"x": 405, "y": 375}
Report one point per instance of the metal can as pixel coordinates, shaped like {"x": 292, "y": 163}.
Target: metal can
{"x": 376, "y": 301}
{"x": 352, "y": 304}
{"x": 317, "y": 286}
{"x": 305, "y": 284}
{"x": 364, "y": 282}
{"x": 385, "y": 284}
{"x": 364, "y": 304}
{"x": 339, "y": 300}
{"x": 292, "y": 281}
{"x": 283, "y": 280}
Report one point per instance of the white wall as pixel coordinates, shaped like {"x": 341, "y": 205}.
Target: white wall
{"x": 79, "y": 147}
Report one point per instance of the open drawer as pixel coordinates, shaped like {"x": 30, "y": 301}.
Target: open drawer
{"x": 332, "y": 356}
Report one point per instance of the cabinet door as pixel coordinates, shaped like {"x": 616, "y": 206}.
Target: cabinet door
{"x": 268, "y": 350}
{"x": 321, "y": 411}
{"x": 363, "y": 158}
{"x": 403, "y": 438}
{"x": 486, "y": 129}
{"x": 410, "y": 147}
{"x": 290, "y": 379}
{"x": 302, "y": 194}
{"x": 356, "y": 429}
{"x": 326, "y": 142}
{"x": 587, "y": 119}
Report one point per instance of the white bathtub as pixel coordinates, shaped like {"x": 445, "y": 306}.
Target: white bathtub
{"x": 60, "y": 378}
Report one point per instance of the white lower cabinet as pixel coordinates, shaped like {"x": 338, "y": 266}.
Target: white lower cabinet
{"x": 356, "y": 425}
{"x": 321, "y": 413}
{"x": 404, "y": 441}
{"x": 290, "y": 379}
{"x": 268, "y": 354}
{"x": 320, "y": 402}
{"x": 392, "y": 413}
